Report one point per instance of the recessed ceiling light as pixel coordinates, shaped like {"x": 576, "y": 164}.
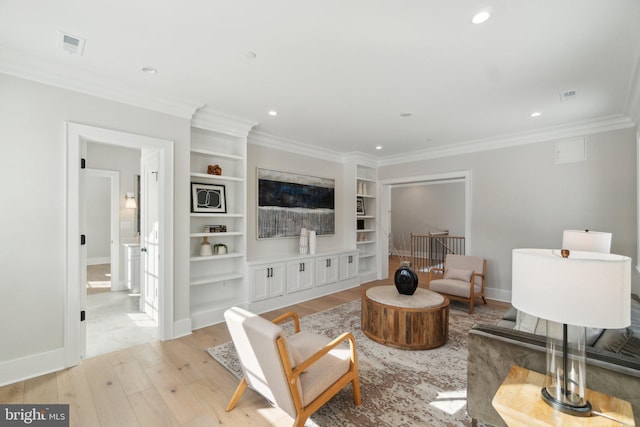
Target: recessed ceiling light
{"x": 480, "y": 17}
{"x": 379, "y": 147}
{"x": 250, "y": 55}
{"x": 149, "y": 70}
{"x": 273, "y": 113}
{"x": 536, "y": 114}
{"x": 406, "y": 114}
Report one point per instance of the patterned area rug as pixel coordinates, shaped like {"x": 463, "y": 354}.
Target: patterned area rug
{"x": 399, "y": 387}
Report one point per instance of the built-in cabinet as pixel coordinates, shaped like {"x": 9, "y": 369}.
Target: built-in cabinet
{"x": 217, "y": 279}
{"x": 285, "y": 281}
{"x": 367, "y": 227}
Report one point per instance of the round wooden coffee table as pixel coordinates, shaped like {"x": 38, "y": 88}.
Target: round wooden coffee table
{"x": 417, "y": 322}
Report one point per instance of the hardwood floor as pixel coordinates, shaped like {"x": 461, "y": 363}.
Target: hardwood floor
{"x": 172, "y": 383}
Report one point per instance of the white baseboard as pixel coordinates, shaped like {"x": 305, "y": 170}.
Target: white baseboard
{"x": 97, "y": 261}
{"x": 498, "y": 294}
{"x": 31, "y": 366}
{"x": 181, "y": 328}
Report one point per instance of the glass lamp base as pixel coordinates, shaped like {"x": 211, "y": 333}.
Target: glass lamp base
{"x": 583, "y": 410}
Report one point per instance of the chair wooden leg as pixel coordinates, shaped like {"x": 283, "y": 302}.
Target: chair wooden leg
{"x": 357, "y": 398}
{"x": 471, "y": 306}
{"x": 484, "y": 300}
{"x": 300, "y": 420}
{"x": 237, "y": 394}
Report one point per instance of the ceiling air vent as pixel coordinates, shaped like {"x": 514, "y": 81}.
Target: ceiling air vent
{"x": 567, "y": 95}
{"x": 71, "y": 44}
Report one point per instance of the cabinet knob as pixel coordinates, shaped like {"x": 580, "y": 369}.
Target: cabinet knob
{"x": 143, "y": 249}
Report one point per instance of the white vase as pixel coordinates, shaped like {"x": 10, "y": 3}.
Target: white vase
{"x": 312, "y": 242}
{"x": 304, "y": 242}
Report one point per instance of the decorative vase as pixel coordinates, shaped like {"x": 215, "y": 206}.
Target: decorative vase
{"x": 312, "y": 242}
{"x": 406, "y": 280}
{"x": 304, "y": 242}
{"x": 205, "y": 248}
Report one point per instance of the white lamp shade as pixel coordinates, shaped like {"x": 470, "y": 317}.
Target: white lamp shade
{"x": 583, "y": 240}
{"x": 587, "y": 289}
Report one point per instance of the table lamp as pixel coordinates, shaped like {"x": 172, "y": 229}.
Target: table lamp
{"x": 583, "y": 289}
{"x": 586, "y": 240}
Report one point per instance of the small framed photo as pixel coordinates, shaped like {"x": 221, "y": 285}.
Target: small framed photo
{"x": 360, "y": 206}
{"x": 208, "y": 198}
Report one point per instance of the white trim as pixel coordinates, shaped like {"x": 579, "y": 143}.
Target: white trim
{"x": 33, "y": 365}
{"x": 59, "y": 74}
{"x": 384, "y": 187}
{"x": 99, "y": 260}
{"x": 215, "y": 121}
{"x": 283, "y": 144}
{"x": 498, "y": 294}
{"x": 603, "y": 124}
{"x": 182, "y": 328}
{"x": 76, "y": 133}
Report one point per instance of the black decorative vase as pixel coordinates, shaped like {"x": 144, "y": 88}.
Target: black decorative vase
{"x": 406, "y": 280}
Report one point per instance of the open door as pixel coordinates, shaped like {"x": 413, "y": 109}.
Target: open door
{"x": 149, "y": 234}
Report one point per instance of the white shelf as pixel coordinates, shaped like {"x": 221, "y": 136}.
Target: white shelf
{"x": 359, "y": 178}
{"x": 366, "y": 196}
{"x": 196, "y": 281}
{"x": 366, "y": 230}
{"x": 216, "y": 215}
{"x": 199, "y": 175}
{"x": 229, "y": 233}
{"x": 365, "y": 217}
{"x": 364, "y": 242}
{"x": 366, "y": 255}
{"x": 217, "y": 257}
{"x": 216, "y": 154}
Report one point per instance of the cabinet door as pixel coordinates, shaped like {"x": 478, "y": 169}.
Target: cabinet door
{"x": 299, "y": 275}
{"x": 348, "y": 266}
{"x": 276, "y": 280}
{"x": 260, "y": 282}
{"x": 326, "y": 270}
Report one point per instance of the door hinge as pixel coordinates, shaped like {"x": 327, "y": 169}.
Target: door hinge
{"x": 83, "y": 163}
{"x": 82, "y": 316}
{"x": 83, "y": 239}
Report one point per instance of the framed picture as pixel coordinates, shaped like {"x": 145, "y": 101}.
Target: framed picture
{"x": 208, "y": 198}
{"x": 288, "y": 202}
{"x": 360, "y": 206}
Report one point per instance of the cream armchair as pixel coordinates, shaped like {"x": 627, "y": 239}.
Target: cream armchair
{"x": 462, "y": 278}
{"x": 273, "y": 363}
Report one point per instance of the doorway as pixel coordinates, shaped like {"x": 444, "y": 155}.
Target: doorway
{"x": 78, "y": 136}
{"x": 386, "y": 187}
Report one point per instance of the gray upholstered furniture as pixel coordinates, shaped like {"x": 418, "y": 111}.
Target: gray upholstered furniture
{"x": 297, "y": 373}
{"x": 462, "y": 278}
{"x": 613, "y": 361}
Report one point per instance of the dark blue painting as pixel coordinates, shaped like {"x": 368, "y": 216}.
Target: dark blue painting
{"x": 288, "y": 202}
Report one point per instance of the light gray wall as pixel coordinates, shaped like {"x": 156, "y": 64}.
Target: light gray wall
{"x": 98, "y": 201}
{"x": 424, "y": 208}
{"x": 33, "y": 162}
{"x": 521, "y": 198}
{"x": 261, "y": 157}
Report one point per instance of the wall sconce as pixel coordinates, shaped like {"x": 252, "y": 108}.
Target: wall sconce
{"x": 130, "y": 201}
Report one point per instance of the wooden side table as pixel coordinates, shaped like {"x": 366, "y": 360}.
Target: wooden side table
{"x": 519, "y": 403}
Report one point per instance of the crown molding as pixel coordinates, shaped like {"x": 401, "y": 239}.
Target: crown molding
{"x": 208, "y": 119}
{"x": 603, "y": 124}
{"x": 278, "y": 143}
{"x": 53, "y": 73}
{"x": 361, "y": 159}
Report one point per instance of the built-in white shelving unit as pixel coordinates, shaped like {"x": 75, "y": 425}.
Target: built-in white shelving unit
{"x": 218, "y": 281}
{"x": 366, "y": 223}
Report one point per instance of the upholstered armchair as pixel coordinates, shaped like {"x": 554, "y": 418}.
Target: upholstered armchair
{"x": 297, "y": 373}
{"x": 462, "y": 278}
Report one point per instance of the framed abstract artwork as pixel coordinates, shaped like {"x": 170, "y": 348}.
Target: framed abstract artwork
{"x": 288, "y": 202}
{"x": 208, "y": 198}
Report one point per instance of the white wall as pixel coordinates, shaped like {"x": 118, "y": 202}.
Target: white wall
{"x": 33, "y": 162}
{"x": 521, "y": 198}
{"x": 267, "y": 158}
{"x": 98, "y": 202}
{"x": 424, "y": 208}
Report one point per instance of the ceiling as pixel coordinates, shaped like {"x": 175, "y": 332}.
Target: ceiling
{"x": 341, "y": 73}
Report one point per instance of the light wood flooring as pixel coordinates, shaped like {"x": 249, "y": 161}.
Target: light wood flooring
{"x": 172, "y": 383}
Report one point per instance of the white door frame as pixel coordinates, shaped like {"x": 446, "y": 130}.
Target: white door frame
{"x": 76, "y": 134}
{"x": 384, "y": 190}
{"x": 114, "y": 245}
